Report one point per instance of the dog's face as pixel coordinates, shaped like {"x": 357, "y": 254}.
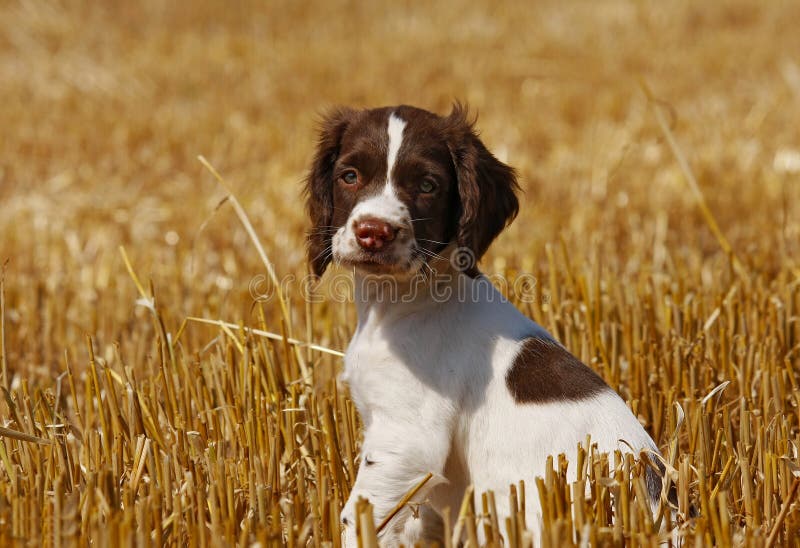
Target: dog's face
{"x": 390, "y": 188}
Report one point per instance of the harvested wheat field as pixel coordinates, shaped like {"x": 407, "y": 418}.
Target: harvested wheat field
{"x": 658, "y": 147}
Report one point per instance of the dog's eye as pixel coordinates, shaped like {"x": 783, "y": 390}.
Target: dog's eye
{"x": 427, "y": 186}
{"x": 350, "y": 177}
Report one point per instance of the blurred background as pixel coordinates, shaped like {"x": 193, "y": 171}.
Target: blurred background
{"x": 105, "y": 106}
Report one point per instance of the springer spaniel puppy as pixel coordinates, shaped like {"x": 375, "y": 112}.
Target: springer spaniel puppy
{"x": 447, "y": 375}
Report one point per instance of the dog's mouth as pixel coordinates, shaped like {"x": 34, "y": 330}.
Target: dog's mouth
{"x": 381, "y": 263}
{"x": 378, "y": 264}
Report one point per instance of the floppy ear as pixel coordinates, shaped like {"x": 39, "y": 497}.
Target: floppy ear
{"x": 486, "y": 187}
{"x": 319, "y": 188}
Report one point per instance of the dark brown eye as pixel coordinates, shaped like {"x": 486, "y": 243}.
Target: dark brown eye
{"x": 427, "y": 186}
{"x": 350, "y": 177}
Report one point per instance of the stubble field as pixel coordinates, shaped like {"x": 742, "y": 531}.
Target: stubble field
{"x": 658, "y": 146}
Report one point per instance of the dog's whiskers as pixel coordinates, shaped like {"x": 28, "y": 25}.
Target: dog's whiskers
{"x": 431, "y": 254}
{"x": 322, "y": 231}
{"x": 432, "y": 241}
{"x": 324, "y": 253}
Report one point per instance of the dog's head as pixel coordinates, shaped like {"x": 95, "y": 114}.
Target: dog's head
{"x": 390, "y": 188}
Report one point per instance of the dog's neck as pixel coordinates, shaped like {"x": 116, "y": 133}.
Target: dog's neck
{"x": 383, "y": 297}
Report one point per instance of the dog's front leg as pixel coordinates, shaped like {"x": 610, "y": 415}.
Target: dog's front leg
{"x": 394, "y": 459}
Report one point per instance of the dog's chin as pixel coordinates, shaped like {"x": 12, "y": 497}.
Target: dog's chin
{"x": 381, "y": 265}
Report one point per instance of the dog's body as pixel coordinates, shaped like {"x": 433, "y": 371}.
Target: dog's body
{"x": 448, "y": 376}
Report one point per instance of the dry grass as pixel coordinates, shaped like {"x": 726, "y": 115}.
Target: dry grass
{"x": 124, "y": 423}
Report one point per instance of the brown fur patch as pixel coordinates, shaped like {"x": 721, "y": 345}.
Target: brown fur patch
{"x": 545, "y": 371}
{"x": 486, "y": 186}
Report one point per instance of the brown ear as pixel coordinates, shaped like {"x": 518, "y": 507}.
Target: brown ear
{"x": 319, "y": 188}
{"x": 486, "y": 187}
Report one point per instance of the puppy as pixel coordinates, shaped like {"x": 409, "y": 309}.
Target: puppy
{"x": 449, "y": 378}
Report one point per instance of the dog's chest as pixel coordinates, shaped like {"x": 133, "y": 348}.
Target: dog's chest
{"x": 390, "y": 375}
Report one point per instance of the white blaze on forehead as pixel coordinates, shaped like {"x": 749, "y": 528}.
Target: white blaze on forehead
{"x": 395, "y": 131}
{"x": 385, "y": 205}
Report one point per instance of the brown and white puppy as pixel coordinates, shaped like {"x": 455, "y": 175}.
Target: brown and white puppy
{"x": 447, "y": 375}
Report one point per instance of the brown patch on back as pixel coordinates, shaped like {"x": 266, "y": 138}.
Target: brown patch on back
{"x": 545, "y": 371}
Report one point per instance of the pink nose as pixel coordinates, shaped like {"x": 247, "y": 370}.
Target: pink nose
{"x": 374, "y": 234}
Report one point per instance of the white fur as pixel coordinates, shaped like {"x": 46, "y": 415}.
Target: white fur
{"x": 428, "y": 378}
{"x": 395, "y": 131}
